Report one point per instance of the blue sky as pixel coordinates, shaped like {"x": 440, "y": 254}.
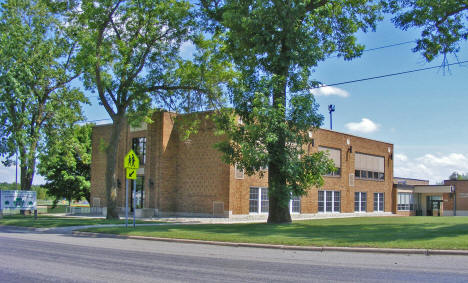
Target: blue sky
{"x": 423, "y": 114}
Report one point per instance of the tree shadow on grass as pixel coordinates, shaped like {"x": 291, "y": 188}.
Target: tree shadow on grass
{"x": 419, "y": 233}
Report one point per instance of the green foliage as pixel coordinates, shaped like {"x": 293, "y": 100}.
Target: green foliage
{"x": 129, "y": 52}
{"x": 37, "y": 63}
{"x": 458, "y": 176}
{"x": 443, "y": 24}
{"x": 66, "y": 164}
{"x": 275, "y": 46}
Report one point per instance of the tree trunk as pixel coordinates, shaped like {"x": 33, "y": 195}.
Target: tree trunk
{"x": 277, "y": 188}
{"x": 27, "y": 168}
{"x": 111, "y": 174}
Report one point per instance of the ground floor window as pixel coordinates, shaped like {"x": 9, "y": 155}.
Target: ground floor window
{"x": 329, "y": 201}
{"x": 379, "y": 202}
{"x": 139, "y": 193}
{"x": 258, "y": 202}
{"x": 360, "y": 202}
{"x": 405, "y": 201}
{"x": 295, "y": 204}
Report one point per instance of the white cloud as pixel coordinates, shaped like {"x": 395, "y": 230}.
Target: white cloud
{"x": 432, "y": 167}
{"x": 401, "y": 157}
{"x": 324, "y": 90}
{"x": 365, "y": 126}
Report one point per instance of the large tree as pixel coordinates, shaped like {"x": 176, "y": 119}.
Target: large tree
{"x": 275, "y": 44}
{"x": 130, "y": 54}
{"x": 443, "y": 24}
{"x": 36, "y": 69}
{"x": 66, "y": 163}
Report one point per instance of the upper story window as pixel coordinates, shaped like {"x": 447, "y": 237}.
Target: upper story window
{"x": 139, "y": 147}
{"x": 369, "y": 167}
{"x": 238, "y": 172}
{"x": 335, "y": 155}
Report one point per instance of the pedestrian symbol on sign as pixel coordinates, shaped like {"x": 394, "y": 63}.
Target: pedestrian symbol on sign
{"x": 131, "y": 160}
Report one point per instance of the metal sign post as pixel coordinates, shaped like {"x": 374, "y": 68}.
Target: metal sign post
{"x": 131, "y": 164}
{"x": 134, "y": 202}
{"x": 126, "y": 203}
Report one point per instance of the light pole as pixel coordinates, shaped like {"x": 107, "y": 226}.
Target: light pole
{"x": 16, "y": 173}
{"x": 331, "y": 109}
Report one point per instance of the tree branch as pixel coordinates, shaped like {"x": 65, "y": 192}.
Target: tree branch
{"x": 169, "y": 88}
{"x": 97, "y": 66}
{"x": 315, "y": 5}
{"x": 449, "y": 14}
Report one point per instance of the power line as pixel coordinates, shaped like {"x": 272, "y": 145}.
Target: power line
{"x": 385, "y": 46}
{"x": 390, "y": 45}
{"x": 390, "y": 75}
{"x": 93, "y": 121}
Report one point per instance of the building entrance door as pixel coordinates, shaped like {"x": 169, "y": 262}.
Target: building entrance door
{"x": 436, "y": 207}
{"x": 434, "y": 204}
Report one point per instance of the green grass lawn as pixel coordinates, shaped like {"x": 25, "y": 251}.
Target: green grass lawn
{"x": 385, "y": 232}
{"x": 52, "y": 221}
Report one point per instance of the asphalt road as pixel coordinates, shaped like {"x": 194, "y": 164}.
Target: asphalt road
{"x": 28, "y": 256}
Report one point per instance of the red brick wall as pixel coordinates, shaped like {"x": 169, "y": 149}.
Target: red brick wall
{"x": 188, "y": 176}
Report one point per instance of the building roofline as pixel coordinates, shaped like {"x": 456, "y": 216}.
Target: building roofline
{"x": 351, "y": 135}
{"x": 103, "y": 125}
{"x": 410, "y": 179}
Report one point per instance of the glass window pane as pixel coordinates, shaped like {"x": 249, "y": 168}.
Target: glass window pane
{"x": 329, "y": 197}
{"x": 363, "y": 202}
{"x": 375, "y": 201}
{"x": 320, "y": 201}
{"x": 337, "y": 202}
{"x": 253, "y": 202}
{"x": 296, "y": 204}
{"x": 356, "y": 201}
{"x": 265, "y": 201}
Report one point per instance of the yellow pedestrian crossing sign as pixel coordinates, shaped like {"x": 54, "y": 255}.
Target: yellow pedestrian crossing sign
{"x": 131, "y": 173}
{"x": 131, "y": 160}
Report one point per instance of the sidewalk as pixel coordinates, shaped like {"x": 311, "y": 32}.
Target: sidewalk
{"x": 252, "y": 218}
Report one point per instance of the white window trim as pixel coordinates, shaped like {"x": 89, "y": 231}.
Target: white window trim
{"x": 360, "y": 202}
{"x": 332, "y": 201}
{"x": 379, "y": 209}
{"x": 259, "y": 207}
{"x": 411, "y": 201}
{"x": 291, "y": 206}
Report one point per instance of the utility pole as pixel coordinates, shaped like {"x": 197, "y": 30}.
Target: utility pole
{"x": 331, "y": 109}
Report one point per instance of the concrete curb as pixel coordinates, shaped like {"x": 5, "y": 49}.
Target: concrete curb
{"x": 282, "y": 247}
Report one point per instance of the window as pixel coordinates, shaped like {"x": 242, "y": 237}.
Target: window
{"x": 329, "y": 201}
{"x": 378, "y": 201}
{"x": 405, "y": 201}
{"x": 295, "y": 204}
{"x": 360, "y": 202}
{"x": 369, "y": 167}
{"x": 258, "y": 202}
{"x": 139, "y": 192}
{"x": 335, "y": 155}
{"x": 239, "y": 173}
{"x": 139, "y": 147}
